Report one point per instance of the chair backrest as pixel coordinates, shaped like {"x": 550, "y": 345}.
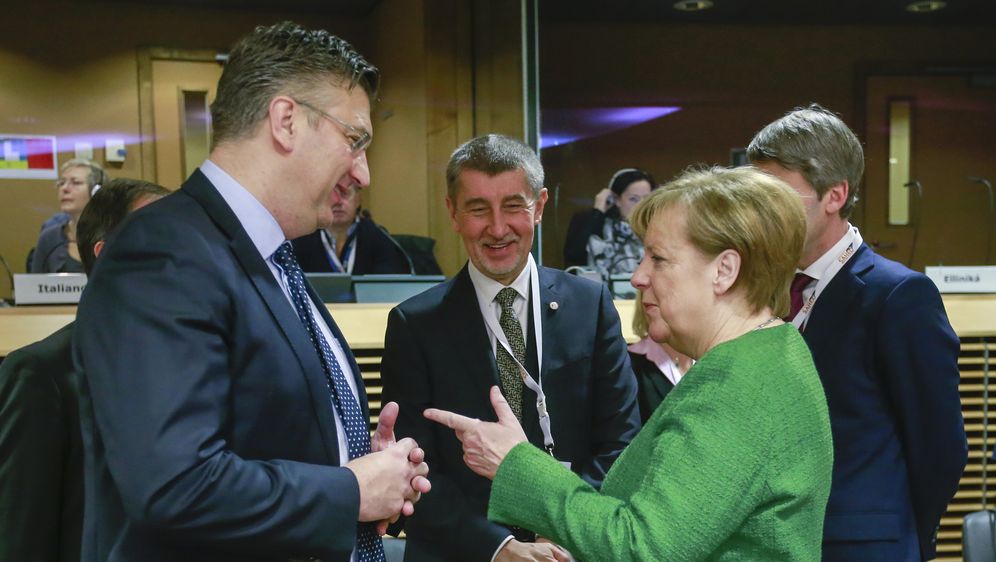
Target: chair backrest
{"x": 421, "y": 249}
{"x": 979, "y": 536}
{"x": 394, "y": 549}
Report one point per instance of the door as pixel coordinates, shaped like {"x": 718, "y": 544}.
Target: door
{"x": 182, "y": 92}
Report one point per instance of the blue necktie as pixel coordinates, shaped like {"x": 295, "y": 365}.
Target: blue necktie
{"x": 369, "y": 547}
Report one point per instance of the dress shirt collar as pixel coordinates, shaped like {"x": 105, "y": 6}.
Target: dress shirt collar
{"x": 262, "y": 228}
{"x": 487, "y": 288}
{"x": 820, "y": 266}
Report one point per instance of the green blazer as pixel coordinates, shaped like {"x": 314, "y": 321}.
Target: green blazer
{"x": 735, "y": 464}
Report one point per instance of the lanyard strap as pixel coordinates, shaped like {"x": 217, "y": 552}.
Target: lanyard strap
{"x": 349, "y": 250}
{"x": 800, "y": 319}
{"x": 532, "y": 384}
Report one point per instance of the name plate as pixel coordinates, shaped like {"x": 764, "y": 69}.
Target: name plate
{"x": 963, "y": 279}
{"x": 48, "y": 288}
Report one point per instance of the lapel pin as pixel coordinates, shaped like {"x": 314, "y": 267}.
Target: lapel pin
{"x": 554, "y": 305}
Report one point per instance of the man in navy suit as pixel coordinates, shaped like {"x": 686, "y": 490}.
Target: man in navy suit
{"x": 503, "y": 320}
{"x": 883, "y": 347}
{"x": 223, "y": 416}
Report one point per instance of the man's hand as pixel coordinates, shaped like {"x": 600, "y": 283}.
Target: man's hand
{"x": 390, "y": 481}
{"x": 384, "y": 436}
{"x": 514, "y": 551}
{"x": 485, "y": 444}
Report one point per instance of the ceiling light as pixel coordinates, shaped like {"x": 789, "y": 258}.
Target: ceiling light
{"x": 692, "y": 5}
{"x": 925, "y": 6}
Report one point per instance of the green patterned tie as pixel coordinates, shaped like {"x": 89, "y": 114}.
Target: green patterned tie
{"x": 508, "y": 371}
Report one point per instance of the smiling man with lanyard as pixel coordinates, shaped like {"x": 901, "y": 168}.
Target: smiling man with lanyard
{"x": 884, "y": 350}
{"x": 551, "y": 341}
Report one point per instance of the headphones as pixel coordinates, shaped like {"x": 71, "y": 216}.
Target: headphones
{"x": 616, "y": 175}
{"x": 99, "y": 180}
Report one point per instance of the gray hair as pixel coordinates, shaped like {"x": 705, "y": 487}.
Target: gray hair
{"x": 494, "y": 154}
{"x": 95, "y": 173}
{"x": 816, "y": 143}
{"x": 282, "y": 58}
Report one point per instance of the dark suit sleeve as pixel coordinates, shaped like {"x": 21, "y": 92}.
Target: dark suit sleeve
{"x": 443, "y": 517}
{"x": 155, "y": 333}
{"x": 615, "y": 413}
{"x": 33, "y": 442}
{"x": 582, "y": 226}
{"x": 918, "y": 354}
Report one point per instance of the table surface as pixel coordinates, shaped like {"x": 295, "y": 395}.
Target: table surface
{"x": 364, "y": 324}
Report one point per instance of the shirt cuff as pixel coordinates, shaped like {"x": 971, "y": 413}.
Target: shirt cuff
{"x": 501, "y": 546}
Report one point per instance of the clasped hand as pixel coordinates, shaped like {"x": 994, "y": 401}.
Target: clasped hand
{"x": 392, "y": 477}
{"x": 485, "y": 444}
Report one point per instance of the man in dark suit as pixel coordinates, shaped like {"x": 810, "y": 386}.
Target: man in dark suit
{"x": 354, "y": 244}
{"x": 504, "y": 320}
{"x": 41, "y": 456}
{"x": 883, "y": 347}
{"x": 223, "y": 416}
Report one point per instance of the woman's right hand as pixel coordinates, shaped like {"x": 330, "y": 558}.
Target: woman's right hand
{"x": 485, "y": 444}
{"x": 604, "y": 200}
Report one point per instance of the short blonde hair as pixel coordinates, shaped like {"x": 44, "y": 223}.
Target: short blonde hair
{"x": 742, "y": 209}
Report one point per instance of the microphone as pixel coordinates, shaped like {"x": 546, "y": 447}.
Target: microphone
{"x": 10, "y": 276}
{"x": 411, "y": 265}
{"x": 916, "y": 221}
{"x": 989, "y": 223}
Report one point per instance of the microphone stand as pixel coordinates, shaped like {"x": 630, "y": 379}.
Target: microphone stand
{"x": 411, "y": 264}
{"x": 10, "y": 276}
{"x": 989, "y": 223}
{"x": 916, "y": 220}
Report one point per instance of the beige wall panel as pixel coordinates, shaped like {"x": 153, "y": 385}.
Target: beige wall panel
{"x": 398, "y": 194}
{"x": 449, "y": 70}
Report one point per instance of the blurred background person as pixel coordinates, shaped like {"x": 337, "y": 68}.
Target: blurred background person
{"x": 658, "y": 367}
{"x": 601, "y": 238}
{"x": 57, "y": 250}
{"x": 735, "y": 464}
{"x": 41, "y": 457}
{"x": 354, "y": 244}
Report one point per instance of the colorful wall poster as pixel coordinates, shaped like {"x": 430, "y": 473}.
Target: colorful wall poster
{"x": 28, "y": 157}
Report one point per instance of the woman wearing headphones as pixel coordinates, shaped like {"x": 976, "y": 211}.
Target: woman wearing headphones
{"x": 601, "y": 238}
{"x": 56, "y": 251}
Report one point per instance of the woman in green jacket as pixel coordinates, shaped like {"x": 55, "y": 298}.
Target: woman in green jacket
{"x": 735, "y": 463}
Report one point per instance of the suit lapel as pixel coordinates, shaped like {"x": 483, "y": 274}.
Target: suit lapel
{"x": 552, "y": 318}
{"x": 461, "y": 316}
{"x": 833, "y": 308}
{"x": 286, "y": 319}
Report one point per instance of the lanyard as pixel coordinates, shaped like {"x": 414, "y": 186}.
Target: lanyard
{"x": 532, "y": 384}
{"x": 800, "y": 319}
{"x": 349, "y": 250}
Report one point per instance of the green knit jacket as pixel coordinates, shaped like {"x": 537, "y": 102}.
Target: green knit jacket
{"x": 733, "y": 465}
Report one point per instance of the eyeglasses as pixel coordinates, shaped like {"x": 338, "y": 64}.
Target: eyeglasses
{"x": 75, "y": 182}
{"x": 359, "y": 139}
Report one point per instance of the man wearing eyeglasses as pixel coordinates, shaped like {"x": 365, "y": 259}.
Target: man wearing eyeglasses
{"x": 224, "y": 417}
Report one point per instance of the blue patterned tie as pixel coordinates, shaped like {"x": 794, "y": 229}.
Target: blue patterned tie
{"x": 369, "y": 547}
